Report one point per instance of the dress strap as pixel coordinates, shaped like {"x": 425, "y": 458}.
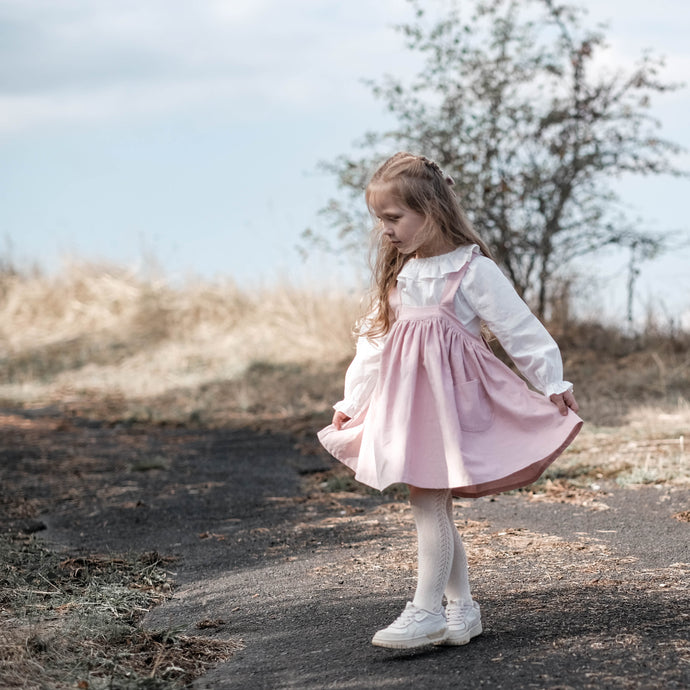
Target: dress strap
{"x": 452, "y": 285}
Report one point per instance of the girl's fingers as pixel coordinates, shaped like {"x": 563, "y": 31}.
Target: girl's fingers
{"x": 557, "y": 400}
{"x": 563, "y": 401}
{"x": 339, "y": 418}
{"x": 570, "y": 401}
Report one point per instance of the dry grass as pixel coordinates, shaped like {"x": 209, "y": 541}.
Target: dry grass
{"x": 73, "y": 623}
{"x": 106, "y": 331}
{"x": 648, "y": 448}
{"x": 107, "y": 342}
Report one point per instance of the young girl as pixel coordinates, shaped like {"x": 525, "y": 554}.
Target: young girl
{"x": 426, "y": 401}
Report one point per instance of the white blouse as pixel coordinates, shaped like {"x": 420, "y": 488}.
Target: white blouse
{"x": 485, "y": 294}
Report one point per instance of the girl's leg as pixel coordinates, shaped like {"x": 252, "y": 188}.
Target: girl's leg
{"x": 458, "y": 587}
{"x": 462, "y": 613}
{"x": 441, "y": 556}
{"x": 436, "y": 545}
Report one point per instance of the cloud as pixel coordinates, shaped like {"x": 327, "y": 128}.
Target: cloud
{"x": 86, "y": 61}
{"x": 81, "y": 61}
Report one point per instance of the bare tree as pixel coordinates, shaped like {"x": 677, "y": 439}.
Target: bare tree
{"x": 510, "y": 102}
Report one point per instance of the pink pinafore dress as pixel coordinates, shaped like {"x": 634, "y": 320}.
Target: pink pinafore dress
{"x": 447, "y": 413}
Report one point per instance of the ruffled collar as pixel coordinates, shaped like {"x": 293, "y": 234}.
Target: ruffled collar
{"x": 437, "y": 266}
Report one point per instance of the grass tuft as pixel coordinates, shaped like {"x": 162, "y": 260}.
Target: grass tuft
{"x": 73, "y": 622}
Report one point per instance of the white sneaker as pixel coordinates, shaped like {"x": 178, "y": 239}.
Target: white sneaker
{"x": 464, "y": 622}
{"x": 414, "y": 627}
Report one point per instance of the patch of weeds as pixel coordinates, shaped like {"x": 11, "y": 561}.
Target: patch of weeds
{"x": 157, "y": 462}
{"x": 576, "y": 473}
{"x": 639, "y": 475}
{"x": 74, "y": 622}
{"x": 335, "y": 483}
{"x": 583, "y": 474}
{"x": 655, "y": 468}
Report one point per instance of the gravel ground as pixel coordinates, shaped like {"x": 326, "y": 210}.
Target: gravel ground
{"x": 579, "y": 589}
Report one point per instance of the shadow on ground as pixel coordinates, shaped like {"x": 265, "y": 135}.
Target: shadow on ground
{"x": 595, "y": 638}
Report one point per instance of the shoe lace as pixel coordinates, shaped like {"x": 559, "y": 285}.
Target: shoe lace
{"x": 457, "y": 614}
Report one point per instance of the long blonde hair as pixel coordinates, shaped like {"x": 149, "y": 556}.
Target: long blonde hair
{"x": 420, "y": 185}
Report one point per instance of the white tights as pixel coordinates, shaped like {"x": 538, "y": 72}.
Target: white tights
{"x": 442, "y": 562}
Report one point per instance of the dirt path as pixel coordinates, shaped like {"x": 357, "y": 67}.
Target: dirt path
{"x": 588, "y": 590}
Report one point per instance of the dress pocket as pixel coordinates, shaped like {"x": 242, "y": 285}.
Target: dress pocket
{"x": 474, "y": 406}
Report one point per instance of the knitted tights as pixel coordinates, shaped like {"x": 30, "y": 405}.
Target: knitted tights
{"x": 442, "y": 563}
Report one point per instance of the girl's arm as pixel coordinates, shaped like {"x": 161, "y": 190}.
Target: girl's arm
{"x": 360, "y": 379}
{"x": 522, "y": 335}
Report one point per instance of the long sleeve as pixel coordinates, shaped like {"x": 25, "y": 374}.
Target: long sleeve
{"x": 492, "y": 297}
{"x": 361, "y": 376}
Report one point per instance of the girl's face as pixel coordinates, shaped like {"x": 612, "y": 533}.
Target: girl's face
{"x": 404, "y": 228}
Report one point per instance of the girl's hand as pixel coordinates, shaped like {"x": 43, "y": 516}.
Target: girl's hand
{"x": 563, "y": 401}
{"x": 339, "y": 418}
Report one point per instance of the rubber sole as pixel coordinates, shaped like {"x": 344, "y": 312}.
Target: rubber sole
{"x": 457, "y": 641}
{"x": 412, "y": 643}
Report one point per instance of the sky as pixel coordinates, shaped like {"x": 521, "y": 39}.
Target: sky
{"x": 187, "y": 135}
